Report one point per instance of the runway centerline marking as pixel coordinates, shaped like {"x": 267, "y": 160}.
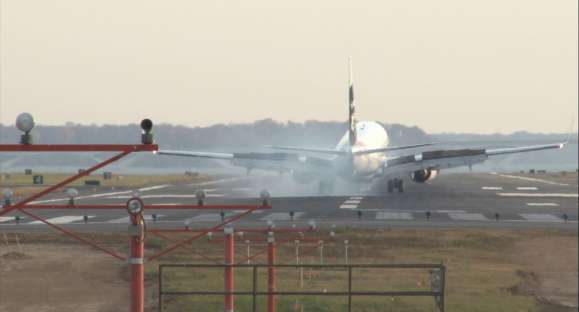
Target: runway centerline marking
{"x": 543, "y": 204}
{"x": 61, "y": 220}
{"x": 492, "y": 188}
{"x": 527, "y": 188}
{"x": 352, "y": 201}
{"x": 566, "y": 195}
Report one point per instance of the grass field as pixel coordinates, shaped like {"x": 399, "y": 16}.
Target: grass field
{"x": 23, "y": 185}
{"x": 487, "y": 270}
{"x": 484, "y": 273}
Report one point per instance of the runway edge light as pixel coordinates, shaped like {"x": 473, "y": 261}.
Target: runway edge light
{"x": 25, "y": 123}
{"x": 147, "y": 136}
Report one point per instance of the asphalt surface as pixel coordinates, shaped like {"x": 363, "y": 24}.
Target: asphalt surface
{"x": 452, "y": 201}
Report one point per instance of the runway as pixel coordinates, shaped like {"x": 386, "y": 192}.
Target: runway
{"x": 450, "y": 201}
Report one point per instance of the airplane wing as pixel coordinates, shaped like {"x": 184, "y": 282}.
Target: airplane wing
{"x": 444, "y": 159}
{"x": 266, "y": 161}
{"x": 357, "y": 152}
{"x": 390, "y": 148}
{"x": 196, "y": 154}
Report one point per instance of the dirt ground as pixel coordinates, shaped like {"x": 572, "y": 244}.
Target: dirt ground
{"x": 552, "y": 269}
{"x": 46, "y": 274}
{"x": 56, "y": 277}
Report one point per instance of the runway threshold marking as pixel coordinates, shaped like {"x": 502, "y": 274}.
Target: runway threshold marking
{"x": 352, "y": 202}
{"x": 543, "y": 204}
{"x": 467, "y": 216}
{"x": 565, "y": 195}
{"x": 540, "y": 217}
{"x": 382, "y": 215}
{"x": 61, "y": 220}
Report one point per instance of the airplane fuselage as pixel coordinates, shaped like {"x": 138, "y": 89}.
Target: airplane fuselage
{"x": 369, "y": 135}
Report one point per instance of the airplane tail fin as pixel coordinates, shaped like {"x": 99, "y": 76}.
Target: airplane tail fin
{"x": 352, "y": 106}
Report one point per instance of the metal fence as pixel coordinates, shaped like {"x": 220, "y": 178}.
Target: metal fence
{"x": 436, "y": 289}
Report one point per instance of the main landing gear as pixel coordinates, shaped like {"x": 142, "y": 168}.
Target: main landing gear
{"x": 396, "y": 184}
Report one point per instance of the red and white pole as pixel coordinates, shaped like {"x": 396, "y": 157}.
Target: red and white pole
{"x": 229, "y": 271}
{"x": 136, "y": 262}
{"x": 271, "y": 281}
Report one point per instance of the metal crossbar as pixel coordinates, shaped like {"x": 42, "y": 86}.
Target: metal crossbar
{"x": 437, "y": 291}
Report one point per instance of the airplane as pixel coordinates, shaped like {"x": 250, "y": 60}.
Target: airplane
{"x": 361, "y": 155}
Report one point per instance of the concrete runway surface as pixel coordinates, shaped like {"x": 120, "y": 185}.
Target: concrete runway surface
{"x": 453, "y": 200}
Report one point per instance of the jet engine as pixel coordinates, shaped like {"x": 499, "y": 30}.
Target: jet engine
{"x": 421, "y": 176}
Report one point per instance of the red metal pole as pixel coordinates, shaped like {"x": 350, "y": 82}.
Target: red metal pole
{"x": 271, "y": 281}
{"x": 229, "y": 272}
{"x": 136, "y": 262}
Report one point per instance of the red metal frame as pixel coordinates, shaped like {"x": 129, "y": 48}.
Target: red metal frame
{"x": 51, "y": 148}
{"x": 136, "y": 241}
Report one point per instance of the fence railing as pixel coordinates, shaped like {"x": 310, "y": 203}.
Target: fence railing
{"x": 437, "y": 273}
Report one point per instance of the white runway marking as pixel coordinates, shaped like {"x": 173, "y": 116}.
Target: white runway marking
{"x": 152, "y": 188}
{"x": 208, "y": 217}
{"x": 281, "y": 216}
{"x": 221, "y": 181}
{"x": 61, "y": 220}
{"x": 451, "y": 211}
{"x": 527, "y": 188}
{"x": 492, "y": 188}
{"x": 4, "y": 219}
{"x": 168, "y": 196}
{"x": 352, "y": 202}
{"x": 566, "y": 195}
{"x": 468, "y": 216}
{"x": 393, "y": 216}
{"x": 543, "y": 204}
{"x": 533, "y": 180}
{"x": 540, "y": 217}
{"x": 127, "y": 219}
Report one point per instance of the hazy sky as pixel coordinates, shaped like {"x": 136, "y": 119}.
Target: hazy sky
{"x": 449, "y": 65}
